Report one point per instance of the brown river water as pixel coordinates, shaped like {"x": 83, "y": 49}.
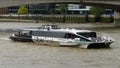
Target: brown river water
{"x": 31, "y": 55}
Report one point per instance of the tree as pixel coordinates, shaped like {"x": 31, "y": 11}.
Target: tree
{"x": 23, "y": 10}
{"x": 63, "y": 8}
{"x": 52, "y": 11}
{"x": 97, "y": 12}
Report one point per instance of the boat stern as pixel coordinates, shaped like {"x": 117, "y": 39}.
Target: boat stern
{"x": 102, "y": 41}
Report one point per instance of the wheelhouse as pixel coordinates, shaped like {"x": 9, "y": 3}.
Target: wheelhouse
{"x": 49, "y": 27}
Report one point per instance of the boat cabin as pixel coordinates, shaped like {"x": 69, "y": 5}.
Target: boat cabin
{"x": 55, "y": 34}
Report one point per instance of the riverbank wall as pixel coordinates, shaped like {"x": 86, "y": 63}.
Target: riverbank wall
{"x": 55, "y": 18}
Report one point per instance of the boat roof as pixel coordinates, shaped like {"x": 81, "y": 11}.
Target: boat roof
{"x": 50, "y": 26}
{"x": 71, "y": 30}
{"x": 60, "y": 30}
{"x": 56, "y": 28}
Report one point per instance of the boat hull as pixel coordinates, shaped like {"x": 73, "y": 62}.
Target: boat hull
{"x": 89, "y": 45}
{"x": 73, "y": 44}
{"x": 22, "y": 39}
{"x": 99, "y": 45}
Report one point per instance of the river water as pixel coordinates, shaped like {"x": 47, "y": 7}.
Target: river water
{"x": 31, "y": 55}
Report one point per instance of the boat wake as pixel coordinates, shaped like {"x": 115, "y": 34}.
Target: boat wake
{"x": 4, "y": 38}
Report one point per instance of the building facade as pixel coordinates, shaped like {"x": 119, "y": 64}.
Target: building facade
{"x": 45, "y": 9}
{"x": 32, "y": 8}
{"x": 3, "y": 10}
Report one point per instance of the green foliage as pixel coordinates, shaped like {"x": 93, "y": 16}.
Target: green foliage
{"x": 63, "y": 8}
{"x": 23, "y": 10}
{"x": 96, "y": 11}
{"x": 52, "y": 11}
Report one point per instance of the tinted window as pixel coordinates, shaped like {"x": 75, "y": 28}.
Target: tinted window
{"x": 49, "y": 34}
{"x": 88, "y": 34}
{"x": 72, "y": 36}
{"x": 68, "y": 35}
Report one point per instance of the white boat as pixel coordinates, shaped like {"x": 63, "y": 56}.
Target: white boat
{"x": 70, "y": 37}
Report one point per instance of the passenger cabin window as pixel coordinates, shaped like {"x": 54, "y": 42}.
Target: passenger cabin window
{"x": 71, "y": 36}
{"x": 48, "y": 34}
{"x": 87, "y": 34}
{"x": 26, "y": 32}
